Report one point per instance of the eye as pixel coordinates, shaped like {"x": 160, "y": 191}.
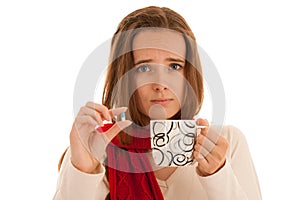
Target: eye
{"x": 175, "y": 67}
{"x": 143, "y": 68}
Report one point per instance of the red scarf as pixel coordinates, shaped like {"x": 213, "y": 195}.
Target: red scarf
{"x": 130, "y": 174}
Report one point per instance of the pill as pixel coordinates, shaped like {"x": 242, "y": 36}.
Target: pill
{"x": 122, "y": 116}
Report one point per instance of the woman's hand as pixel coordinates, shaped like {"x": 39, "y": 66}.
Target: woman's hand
{"x": 210, "y": 150}
{"x": 87, "y": 145}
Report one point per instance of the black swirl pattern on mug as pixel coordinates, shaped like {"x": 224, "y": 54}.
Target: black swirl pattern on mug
{"x": 181, "y": 160}
{"x": 160, "y": 139}
{"x": 187, "y": 129}
{"x": 173, "y": 142}
{"x": 189, "y": 124}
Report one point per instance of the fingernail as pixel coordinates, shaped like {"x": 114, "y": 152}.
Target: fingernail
{"x": 125, "y": 108}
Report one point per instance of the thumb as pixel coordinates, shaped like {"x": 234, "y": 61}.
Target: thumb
{"x": 100, "y": 141}
{"x": 202, "y": 122}
{"x": 116, "y": 128}
{"x": 205, "y": 124}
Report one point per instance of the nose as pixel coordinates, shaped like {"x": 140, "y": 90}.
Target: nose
{"x": 158, "y": 87}
{"x": 160, "y": 76}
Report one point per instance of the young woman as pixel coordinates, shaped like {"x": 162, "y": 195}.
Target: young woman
{"x": 154, "y": 73}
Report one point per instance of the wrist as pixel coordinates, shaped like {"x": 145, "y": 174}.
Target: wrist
{"x": 94, "y": 169}
{"x": 203, "y": 173}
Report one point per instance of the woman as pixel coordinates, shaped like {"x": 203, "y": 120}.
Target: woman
{"x": 154, "y": 73}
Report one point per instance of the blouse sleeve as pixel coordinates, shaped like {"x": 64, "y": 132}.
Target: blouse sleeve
{"x": 74, "y": 184}
{"x": 237, "y": 180}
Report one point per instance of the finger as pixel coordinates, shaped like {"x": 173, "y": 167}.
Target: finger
{"x": 117, "y": 111}
{"x": 218, "y": 154}
{"x": 97, "y": 145}
{"x": 222, "y": 141}
{"x": 91, "y": 112}
{"x": 198, "y": 156}
{"x": 207, "y": 165}
{"x": 116, "y": 128}
{"x": 213, "y": 135}
{"x": 205, "y": 142}
{"x": 217, "y": 151}
{"x": 210, "y": 133}
{"x": 103, "y": 110}
{"x": 86, "y": 119}
{"x": 212, "y": 156}
{"x": 209, "y": 162}
{"x": 221, "y": 149}
{"x": 203, "y": 153}
{"x": 84, "y": 126}
{"x": 215, "y": 156}
{"x": 202, "y": 161}
{"x": 202, "y": 122}
{"x": 201, "y": 150}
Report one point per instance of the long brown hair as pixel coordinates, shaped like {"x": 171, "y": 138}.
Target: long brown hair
{"x": 121, "y": 61}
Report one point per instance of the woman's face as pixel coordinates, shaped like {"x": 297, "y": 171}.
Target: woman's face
{"x": 159, "y": 59}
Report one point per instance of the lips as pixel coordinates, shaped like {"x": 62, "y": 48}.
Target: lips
{"x": 161, "y": 101}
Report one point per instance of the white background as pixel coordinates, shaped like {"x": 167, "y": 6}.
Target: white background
{"x": 43, "y": 44}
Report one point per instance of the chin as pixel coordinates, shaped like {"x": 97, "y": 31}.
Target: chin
{"x": 176, "y": 115}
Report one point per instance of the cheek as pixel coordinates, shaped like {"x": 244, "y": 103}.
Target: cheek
{"x": 143, "y": 95}
{"x": 142, "y": 92}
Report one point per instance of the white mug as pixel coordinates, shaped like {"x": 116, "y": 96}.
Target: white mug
{"x": 172, "y": 141}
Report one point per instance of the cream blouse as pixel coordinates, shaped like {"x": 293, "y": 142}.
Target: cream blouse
{"x": 237, "y": 180}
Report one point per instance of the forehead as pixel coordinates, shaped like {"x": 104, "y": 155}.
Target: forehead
{"x": 165, "y": 40}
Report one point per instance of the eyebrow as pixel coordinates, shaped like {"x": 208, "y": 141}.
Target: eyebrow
{"x": 167, "y": 59}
